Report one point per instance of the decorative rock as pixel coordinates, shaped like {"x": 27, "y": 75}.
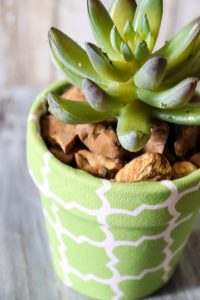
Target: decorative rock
{"x": 63, "y": 157}
{"x": 100, "y": 139}
{"x": 181, "y": 169}
{"x": 159, "y": 136}
{"x": 186, "y": 140}
{"x": 149, "y": 166}
{"x": 169, "y": 156}
{"x": 195, "y": 159}
{"x": 97, "y": 165}
{"x": 196, "y": 97}
{"x": 73, "y": 93}
{"x": 58, "y": 133}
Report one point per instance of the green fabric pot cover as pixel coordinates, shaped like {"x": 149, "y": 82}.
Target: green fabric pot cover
{"x": 110, "y": 240}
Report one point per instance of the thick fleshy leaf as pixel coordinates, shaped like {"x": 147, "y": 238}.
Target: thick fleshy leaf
{"x": 190, "y": 67}
{"x": 180, "y": 47}
{"x": 74, "y": 112}
{"x": 63, "y": 86}
{"x": 133, "y": 127}
{"x": 104, "y": 66}
{"x": 98, "y": 98}
{"x": 187, "y": 115}
{"x": 144, "y": 29}
{"x": 121, "y": 12}
{"x": 116, "y": 39}
{"x": 128, "y": 68}
{"x": 174, "y": 97}
{"x": 129, "y": 33}
{"x": 101, "y": 24}
{"x": 153, "y": 10}
{"x": 70, "y": 76}
{"x": 151, "y": 74}
{"x": 72, "y": 56}
{"x": 126, "y": 51}
{"x": 150, "y": 41}
{"x": 124, "y": 92}
{"x": 141, "y": 51}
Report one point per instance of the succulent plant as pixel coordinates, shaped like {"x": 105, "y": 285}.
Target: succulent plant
{"x": 122, "y": 77}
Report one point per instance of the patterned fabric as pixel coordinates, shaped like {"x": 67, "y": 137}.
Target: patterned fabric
{"x": 110, "y": 240}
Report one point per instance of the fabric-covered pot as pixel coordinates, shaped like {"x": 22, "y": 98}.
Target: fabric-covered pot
{"x": 110, "y": 240}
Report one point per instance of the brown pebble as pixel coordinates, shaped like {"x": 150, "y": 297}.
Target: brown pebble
{"x": 169, "y": 156}
{"x": 195, "y": 159}
{"x": 159, "y": 136}
{"x": 58, "y": 133}
{"x": 97, "y": 165}
{"x": 196, "y": 98}
{"x": 100, "y": 139}
{"x": 73, "y": 93}
{"x": 186, "y": 140}
{"x": 63, "y": 157}
{"x": 181, "y": 169}
{"x": 149, "y": 166}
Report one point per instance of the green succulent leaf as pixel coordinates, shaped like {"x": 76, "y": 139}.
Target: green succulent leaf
{"x": 72, "y": 56}
{"x": 129, "y": 33}
{"x": 62, "y": 86}
{"x": 104, "y": 66}
{"x": 186, "y": 115}
{"x": 70, "y": 76}
{"x": 116, "y": 39}
{"x": 121, "y": 79}
{"x": 101, "y": 24}
{"x": 150, "y": 41}
{"x": 124, "y": 92}
{"x": 121, "y": 12}
{"x": 141, "y": 51}
{"x": 133, "y": 127}
{"x": 144, "y": 29}
{"x": 190, "y": 67}
{"x": 74, "y": 112}
{"x": 179, "y": 48}
{"x": 153, "y": 10}
{"x": 174, "y": 97}
{"x": 98, "y": 99}
{"x": 126, "y": 51}
{"x": 151, "y": 74}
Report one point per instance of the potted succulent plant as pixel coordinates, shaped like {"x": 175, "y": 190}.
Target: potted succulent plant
{"x": 119, "y": 236}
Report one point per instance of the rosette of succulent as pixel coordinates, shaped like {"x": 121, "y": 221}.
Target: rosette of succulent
{"x": 123, "y": 77}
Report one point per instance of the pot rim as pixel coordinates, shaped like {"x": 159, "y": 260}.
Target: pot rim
{"x": 156, "y": 194}
{"x": 36, "y": 110}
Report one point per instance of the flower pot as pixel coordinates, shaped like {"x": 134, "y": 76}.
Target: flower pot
{"x": 110, "y": 240}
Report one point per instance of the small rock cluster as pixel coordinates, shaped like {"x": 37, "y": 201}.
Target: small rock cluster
{"x": 172, "y": 152}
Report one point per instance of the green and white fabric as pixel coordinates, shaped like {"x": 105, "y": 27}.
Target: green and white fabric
{"x": 110, "y": 240}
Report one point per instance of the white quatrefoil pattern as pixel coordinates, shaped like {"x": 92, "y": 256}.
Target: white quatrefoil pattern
{"x": 111, "y": 240}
